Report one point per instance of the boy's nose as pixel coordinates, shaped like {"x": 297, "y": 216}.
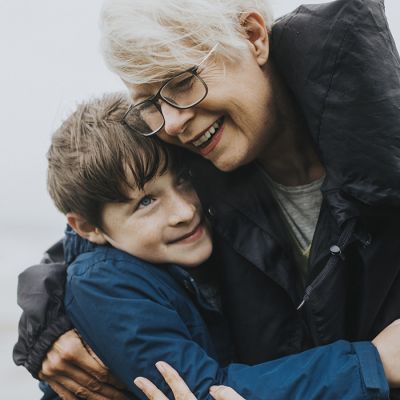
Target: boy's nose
{"x": 182, "y": 210}
{"x": 176, "y": 119}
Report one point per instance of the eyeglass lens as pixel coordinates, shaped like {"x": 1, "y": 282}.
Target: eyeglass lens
{"x": 182, "y": 91}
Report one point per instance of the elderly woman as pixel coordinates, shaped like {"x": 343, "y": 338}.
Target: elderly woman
{"x": 302, "y": 182}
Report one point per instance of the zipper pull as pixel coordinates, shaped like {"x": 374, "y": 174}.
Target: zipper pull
{"x": 305, "y": 297}
{"x": 335, "y": 250}
{"x": 302, "y": 303}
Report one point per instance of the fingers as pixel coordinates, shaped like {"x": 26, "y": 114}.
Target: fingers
{"x": 92, "y": 389}
{"x": 149, "y": 389}
{"x": 70, "y": 349}
{"x": 103, "y": 374}
{"x": 73, "y": 367}
{"x": 175, "y": 382}
{"x": 62, "y": 392}
{"x": 224, "y": 393}
{"x": 179, "y": 387}
{"x": 69, "y": 386}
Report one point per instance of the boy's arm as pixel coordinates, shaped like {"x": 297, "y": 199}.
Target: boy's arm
{"x": 131, "y": 327}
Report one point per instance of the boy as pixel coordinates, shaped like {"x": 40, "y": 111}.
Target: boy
{"x": 141, "y": 284}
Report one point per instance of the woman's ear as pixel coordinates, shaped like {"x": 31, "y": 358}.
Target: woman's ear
{"x": 84, "y": 229}
{"x": 257, "y": 35}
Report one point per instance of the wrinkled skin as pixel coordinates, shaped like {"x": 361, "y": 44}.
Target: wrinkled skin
{"x": 72, "y": 370}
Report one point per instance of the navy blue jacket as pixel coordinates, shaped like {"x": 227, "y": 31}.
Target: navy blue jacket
{"x": 134, "y": 314}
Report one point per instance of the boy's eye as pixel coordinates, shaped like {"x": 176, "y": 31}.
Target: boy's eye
{"x": 183, "y": 179}
{"x": 145, "y": 201}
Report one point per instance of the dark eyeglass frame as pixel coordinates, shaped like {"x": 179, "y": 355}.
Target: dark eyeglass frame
{"x": 154, "y": 99}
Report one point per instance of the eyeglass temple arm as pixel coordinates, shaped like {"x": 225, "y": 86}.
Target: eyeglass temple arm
{"x": 208, "y": 55}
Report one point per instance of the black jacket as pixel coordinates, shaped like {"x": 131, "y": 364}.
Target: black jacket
{"x": 350, "y": 98}
{"x": 341, "y": 64}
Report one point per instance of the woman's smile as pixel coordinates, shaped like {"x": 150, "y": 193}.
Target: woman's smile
{"x": 209, "y": 140}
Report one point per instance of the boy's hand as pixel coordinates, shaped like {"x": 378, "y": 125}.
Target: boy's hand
{"x": 72, "y": 369}
{"x": 179, "y": 387}
{"x": 388, "y": 345}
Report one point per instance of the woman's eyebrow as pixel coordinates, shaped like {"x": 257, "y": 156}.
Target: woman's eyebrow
{"x": 143, "y": 92}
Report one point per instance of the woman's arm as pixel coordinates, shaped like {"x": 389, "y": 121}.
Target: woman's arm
{"x": 387, "y": 343}
{"x": 130, "y": 323}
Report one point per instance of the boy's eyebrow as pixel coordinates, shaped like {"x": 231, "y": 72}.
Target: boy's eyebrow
{"x": 133, "y": 198}
{"x": 129, "y": 203}
{"x": 133, "y": 193}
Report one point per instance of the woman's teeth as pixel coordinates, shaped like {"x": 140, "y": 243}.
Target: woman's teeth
{"x": 208, "y": 134}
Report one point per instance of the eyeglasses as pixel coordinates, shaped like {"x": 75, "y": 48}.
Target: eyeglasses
{"x": 182, "y": 91}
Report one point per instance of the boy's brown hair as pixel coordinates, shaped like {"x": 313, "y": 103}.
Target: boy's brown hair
{"x": 94, "y": 157}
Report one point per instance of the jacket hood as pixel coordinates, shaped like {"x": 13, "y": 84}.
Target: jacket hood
{"x": 74, "y": 245}
{"x": 341, "y": 63}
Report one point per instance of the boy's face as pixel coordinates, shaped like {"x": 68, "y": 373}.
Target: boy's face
{"x": 161, "y": 224}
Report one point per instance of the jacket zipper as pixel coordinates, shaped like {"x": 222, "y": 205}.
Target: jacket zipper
{"x": 336, "y": 253}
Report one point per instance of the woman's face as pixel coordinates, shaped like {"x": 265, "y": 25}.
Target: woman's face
{"x": 233, "y": 124}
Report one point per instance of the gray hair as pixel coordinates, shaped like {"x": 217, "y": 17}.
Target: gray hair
{"x": 145, "y": 41}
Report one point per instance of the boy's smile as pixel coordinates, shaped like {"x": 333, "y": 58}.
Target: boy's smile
{"x": 161, "y": 224}
{"x": 190, "y": 237}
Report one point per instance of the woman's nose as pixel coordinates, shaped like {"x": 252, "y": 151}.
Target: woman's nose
{"x": 176, "y": 119}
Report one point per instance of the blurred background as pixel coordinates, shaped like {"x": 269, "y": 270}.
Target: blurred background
{"x": 50, "y": 62}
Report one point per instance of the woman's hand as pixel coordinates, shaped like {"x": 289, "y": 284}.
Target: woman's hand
{"x": 72, "y": 369}
{"x": 388, "y": 345}
{"x": 179, "y": 387}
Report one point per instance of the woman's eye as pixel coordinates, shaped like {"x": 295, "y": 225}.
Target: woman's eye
{"x": 180, "y": 83}
{"x": 145, "y": 202}
{"x": 184, "y": 83}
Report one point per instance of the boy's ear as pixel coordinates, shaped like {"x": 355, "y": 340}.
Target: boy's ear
{"x": 257, "y": 35}
{"x": 84, "y": 229}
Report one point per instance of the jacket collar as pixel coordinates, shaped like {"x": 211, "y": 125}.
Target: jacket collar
{"x": 74, "y": 245}
{"x": 347, "y": 84}
{"x": 244, "y": 213}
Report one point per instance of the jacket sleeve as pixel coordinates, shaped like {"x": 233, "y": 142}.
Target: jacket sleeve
{"x": 43, "y": 320}
{"x": 131, "y": 327}
{"x": 48, "y": 393}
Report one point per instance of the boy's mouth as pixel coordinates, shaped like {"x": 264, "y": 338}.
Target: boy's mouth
{"x": 207, "y": 137}
{"x": 191, "y": 236}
